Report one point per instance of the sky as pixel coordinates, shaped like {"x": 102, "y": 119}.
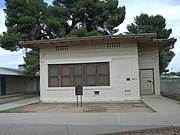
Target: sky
{"x": 169, "y": 9}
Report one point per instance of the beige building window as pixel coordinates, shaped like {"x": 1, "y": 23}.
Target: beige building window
{"x": 53, "y": 75}
{"x": 70, "y": 75}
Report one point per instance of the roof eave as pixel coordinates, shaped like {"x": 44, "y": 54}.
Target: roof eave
{"x": 36, "y": 44}
{"x": 163, "y": 43}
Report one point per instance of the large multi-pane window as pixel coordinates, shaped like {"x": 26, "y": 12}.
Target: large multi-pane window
{"x": 103, "y": 74}
{"x": 65, "y": 75}
{"x": 53, "y": 75}
{"x": 70, "y": 75}
{"x": 77, "y": 74}
{"x": 91, "y": 74}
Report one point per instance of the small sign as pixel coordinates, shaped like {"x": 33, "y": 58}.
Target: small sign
{"x": 78, "y": 90}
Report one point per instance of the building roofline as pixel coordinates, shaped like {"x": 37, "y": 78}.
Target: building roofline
{"x": 17, "y": 72}
{"x": 149, "y": 37}
{"x": 14, "y": 69}
{"x": 171, "y": 40}
{"x": 38, "y": 43}
{"x": 162, "y": 43}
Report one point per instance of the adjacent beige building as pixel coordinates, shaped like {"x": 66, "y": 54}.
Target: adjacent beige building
{"x": 13, "y": 81}
{"x": 110, "y": 68}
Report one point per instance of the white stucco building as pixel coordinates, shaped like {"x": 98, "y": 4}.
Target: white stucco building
{"x": 110, "y": 68}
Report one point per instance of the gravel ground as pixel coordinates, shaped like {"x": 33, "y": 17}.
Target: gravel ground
{"x": 160, "y": 131}
{"x": 156, "y": 131}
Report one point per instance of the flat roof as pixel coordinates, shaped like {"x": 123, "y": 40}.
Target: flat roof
{"x": 149, "y": 37}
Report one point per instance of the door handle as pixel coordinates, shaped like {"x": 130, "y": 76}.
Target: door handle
{"x": 149, "y": 81}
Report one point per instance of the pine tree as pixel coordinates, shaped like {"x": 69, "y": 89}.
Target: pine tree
{"x": 154, "y": 24}
{"x": 34, "y": 20}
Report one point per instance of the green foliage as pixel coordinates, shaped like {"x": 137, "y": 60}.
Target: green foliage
{"x": 25, "y": 19}
{"x": 98, "y": 15}
{"x": 34, "y": 20}
{"x": 82, "y": 32}
{"x": 154, "y": 24}
{"x": 93, "y": 33}
{"x": 78, "y": 32}
{"x": 9, "y": 42}
{"x": 165, "y": 56}
{"x": 32, "y": 63}
{"x": 178, "y": 74}
{"x": 150, "y": 24}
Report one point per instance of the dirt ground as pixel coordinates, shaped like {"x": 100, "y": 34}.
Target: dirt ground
{"x": 136, "y": 106}
{"x": 158, "y": 131}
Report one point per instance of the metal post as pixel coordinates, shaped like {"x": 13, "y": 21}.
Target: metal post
{"x": 81, "y": 100}
{"x": 77, "y": 100}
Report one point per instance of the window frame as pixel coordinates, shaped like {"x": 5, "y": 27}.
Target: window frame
{"x": 73, "y": 75}
{"x": 107, "y": 75}
{"x": 49, "y": 76}
{"x": 84, "y": 74}
{"x": 91, "y": 75}
{"x": 69, "y": 76}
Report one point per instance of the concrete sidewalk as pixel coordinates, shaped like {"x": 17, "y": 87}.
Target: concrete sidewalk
{"x": 161, "y": 104}
{"x": 80, "y": 123}
{"x": 18, "y": 103}
{"x": 165, "y": 107}
{"x": 167, "y": 115}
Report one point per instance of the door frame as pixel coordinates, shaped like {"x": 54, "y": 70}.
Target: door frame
{"x": 3, "y": 86}
{"x": 152, "y": 76}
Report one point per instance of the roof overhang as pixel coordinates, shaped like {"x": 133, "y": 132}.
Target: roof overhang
{"x": 147, "y": 37}
{"x": 163, "y": 43}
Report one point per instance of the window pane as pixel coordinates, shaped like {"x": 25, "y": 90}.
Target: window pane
{"x": 65, "y": 81}
{"x": 78, "y": 81}
{"x": 53, "y": 70}
{"x": 65, "y": 70}
{"x": 53, "y": 82}
{"x": 90, "y": 69}
{"x": 103, "y": 68}
{"x": 90, "y": 81}
{"x": 77, "y": 69}
{"x": 104, "y": 80}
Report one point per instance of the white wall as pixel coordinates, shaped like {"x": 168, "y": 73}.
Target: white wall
{"x": 123, "y": 64}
